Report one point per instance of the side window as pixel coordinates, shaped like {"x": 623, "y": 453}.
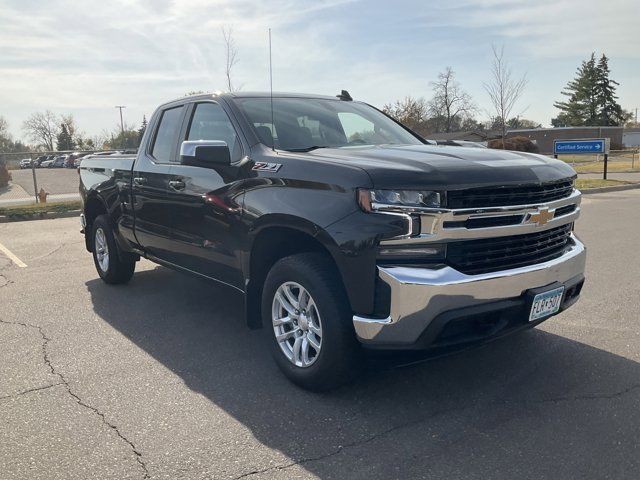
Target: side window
{"x": 210, "y": 122}
{"x": 166, "y": 135}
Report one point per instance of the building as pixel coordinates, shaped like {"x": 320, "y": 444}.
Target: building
{"x": 471, "y": 135}
{"x": 544, "y": 137}
{"x": 631, "y": 137}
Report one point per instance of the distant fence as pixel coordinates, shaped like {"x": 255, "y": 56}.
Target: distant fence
{"x": 631, "y": 155}
{"x": 31, "y": 174}
{"x": 13, "y": 159}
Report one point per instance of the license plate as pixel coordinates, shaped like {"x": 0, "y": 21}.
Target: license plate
{"x": 546, "y": 303}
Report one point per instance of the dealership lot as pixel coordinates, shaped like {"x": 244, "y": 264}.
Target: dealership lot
{"x": 60, "y": 183}
{"x": 53, "y": 180}
{"x": 160, "y": 378}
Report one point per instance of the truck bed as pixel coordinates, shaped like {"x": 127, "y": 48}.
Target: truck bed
{"x": 117, "y": 162}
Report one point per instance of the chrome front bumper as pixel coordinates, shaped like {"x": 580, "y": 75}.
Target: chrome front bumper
{"x": 419, "y": 295}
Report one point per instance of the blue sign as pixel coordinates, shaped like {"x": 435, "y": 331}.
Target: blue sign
{"x": 577, "y": 147}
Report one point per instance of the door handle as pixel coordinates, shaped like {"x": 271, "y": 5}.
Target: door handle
{"x": 177, "y": 184}
{"x": 139, "y": 181}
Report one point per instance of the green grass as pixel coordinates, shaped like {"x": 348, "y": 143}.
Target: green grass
{"x": 587, "y": 183}
{"x": 619, "y": 161}
{"x": 40, "y": 208}
{"x": 612, "y": 166}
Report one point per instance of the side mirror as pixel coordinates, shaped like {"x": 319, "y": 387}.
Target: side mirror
{"x": 204, "y": 153}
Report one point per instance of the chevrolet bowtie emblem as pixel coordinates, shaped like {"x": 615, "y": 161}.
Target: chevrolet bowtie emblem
{"x": 542, "y": 216}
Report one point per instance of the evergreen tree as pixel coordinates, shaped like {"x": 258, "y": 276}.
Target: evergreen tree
{"x": 64, "y": 139}
{"x": 592, "y": 97}
{"x": 609, "y": 110}
{"x": 142, "y": 129}
{"x": 582, "y": 106}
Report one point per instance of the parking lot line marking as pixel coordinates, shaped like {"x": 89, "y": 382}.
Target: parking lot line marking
{"x": 12, "y": 257}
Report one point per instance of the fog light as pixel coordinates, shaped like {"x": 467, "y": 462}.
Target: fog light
{"x": 430, "y": 252}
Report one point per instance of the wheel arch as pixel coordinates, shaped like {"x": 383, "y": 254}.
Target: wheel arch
{"x": 94, "y": 206}
{"x": 277, "y": 240}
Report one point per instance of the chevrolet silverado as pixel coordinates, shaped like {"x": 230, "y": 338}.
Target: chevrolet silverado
{"x": 341, "y": 228}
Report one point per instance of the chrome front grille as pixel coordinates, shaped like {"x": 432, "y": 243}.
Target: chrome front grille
{"x": 506, "y": 196}
{"x": 489, "y": 238}
{"x": 474, "y": 257}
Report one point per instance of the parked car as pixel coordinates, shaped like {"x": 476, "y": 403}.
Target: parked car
{"x": 48, "y": 161}
{"x": 38, "y": 161}
{"x": 73, "y": 158}
{"x": 345, "y": 230}
{"x": 59, "y": 161}
{"x": 26, "y": 163}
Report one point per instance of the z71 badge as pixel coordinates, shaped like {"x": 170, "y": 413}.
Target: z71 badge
{"x": 267, "y": 167}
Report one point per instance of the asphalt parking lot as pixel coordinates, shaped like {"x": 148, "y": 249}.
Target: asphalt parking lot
{"x": 53, "y": 180}
{"x": 161, "y": 379}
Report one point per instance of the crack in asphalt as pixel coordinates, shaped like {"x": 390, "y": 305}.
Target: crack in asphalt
{"x": 58, "y": 248}
{"x": 65, "y": 383}
{"x": 419, "y": 421}
{"x": 35, "y": 389}
{"x": 49, "y": 253}
{"x": 4, "y": 281}
{"x": 589, "y": 396}
{"x": 355, "y": 443}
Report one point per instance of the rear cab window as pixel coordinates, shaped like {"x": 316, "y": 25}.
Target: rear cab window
{"x": 166, "y": 135}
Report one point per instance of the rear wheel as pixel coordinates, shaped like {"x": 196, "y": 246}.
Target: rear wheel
{"x": 112, "y": 265}
{"x": 308, "y": 322}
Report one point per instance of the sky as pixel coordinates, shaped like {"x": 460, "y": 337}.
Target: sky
{"x": 84, "y": 57}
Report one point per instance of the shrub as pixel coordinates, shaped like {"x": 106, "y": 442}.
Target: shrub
{"x": 519, "y": 144}
{"x": 5, "y": 176}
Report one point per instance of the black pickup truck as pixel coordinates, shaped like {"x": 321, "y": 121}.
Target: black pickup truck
{"x": 342, "y": 228}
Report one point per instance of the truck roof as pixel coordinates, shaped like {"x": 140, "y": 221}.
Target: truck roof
{"x": 204, "y": 96}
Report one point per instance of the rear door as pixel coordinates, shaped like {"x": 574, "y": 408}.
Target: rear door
{"x": 150, "y": 183}
{"x": 206, "y": 207}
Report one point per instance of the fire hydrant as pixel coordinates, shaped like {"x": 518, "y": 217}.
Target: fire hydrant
{"x": 42, "y": 196}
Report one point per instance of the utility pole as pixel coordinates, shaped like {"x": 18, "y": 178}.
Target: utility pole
{"x": 120, "y": 107}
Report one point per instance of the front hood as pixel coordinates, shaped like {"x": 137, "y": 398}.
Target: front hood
{"x": 439, "y": 167}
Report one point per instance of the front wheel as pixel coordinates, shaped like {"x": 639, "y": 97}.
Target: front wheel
{"x": 112, "y": 265}
{"x": 308, "y": 322}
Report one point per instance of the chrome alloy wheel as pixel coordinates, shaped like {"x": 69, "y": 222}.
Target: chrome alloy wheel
{"x": 102, "y": 250}
{"x": 296, "y": 324}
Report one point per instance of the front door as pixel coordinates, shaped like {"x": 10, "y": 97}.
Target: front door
{"x": 150, "y": 184}
{"x": 206, "y": 208}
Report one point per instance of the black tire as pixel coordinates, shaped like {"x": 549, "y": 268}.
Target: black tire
{"x": 339, "y": 360}
{"x": 119, "y": 265}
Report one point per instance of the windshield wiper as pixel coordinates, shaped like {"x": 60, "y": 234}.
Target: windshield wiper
{"x": 305, "y": 149}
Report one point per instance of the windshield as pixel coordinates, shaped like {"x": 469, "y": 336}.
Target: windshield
{"x": 308, "y": 123}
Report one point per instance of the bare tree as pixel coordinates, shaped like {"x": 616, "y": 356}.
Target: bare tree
{"x": 232, "y": 55}
{"x": 503, "y": 89}
{"x": 449, "y": 101}
{"x": 77, "y": 136}
{"x": 70, "y": 124}
{"x": 411, "y": 112}
{"x": 41, "y": 127}
{"x": 96, "y": 142}
{"x": 5, "y": 136}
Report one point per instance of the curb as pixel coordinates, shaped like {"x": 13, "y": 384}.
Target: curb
{"x": 610, "y": 172}
{"x": 615, "y": 188}
{"x": 39, "y": 216}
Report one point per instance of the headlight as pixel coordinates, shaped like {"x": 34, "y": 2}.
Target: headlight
{"x": 371, "y": 200}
